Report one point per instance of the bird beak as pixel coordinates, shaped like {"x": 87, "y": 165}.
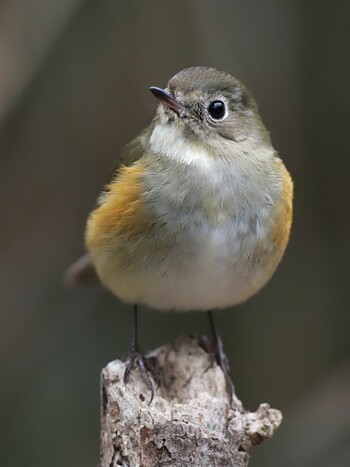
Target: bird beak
{"x": 166, "y": 100}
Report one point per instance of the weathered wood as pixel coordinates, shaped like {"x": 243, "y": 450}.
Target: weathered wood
{"x": 189, "y": 422}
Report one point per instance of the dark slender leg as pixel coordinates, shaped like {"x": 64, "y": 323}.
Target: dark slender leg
{"x": 219, "y": 355}
{"x": 137, "y": 358}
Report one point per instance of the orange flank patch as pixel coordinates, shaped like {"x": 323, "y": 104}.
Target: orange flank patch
{"x": 283, "y": 220}
{"x": 121, "y": 213}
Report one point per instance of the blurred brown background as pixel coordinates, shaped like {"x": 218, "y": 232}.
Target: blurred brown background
{"x": 73, "y": 90}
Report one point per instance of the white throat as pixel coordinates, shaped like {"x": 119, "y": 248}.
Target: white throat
{"x": 168, "y": 141}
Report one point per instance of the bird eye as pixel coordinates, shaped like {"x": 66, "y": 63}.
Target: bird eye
{"x": 217, "y": 109}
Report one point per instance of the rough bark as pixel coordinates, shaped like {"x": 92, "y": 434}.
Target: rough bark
{"x": 189, "y": 422}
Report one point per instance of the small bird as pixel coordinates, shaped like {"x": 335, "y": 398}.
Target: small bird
{"x": 198, "y": 210}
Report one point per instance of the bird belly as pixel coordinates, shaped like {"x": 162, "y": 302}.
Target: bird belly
{"x": 206, "y": 268}
{"x": 185, "y": 247}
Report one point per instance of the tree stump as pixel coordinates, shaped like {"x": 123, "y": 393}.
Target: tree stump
{"x": 190, "y": 421}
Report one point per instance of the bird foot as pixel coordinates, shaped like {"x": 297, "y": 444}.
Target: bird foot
{"x": 146, "y": 368}
{"x": 217, "y": 354}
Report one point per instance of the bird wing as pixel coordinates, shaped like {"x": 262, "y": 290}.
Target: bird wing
{"x": 82, "y": 271}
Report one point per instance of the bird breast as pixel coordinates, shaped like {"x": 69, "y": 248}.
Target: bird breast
{"x": 181, "y": 230}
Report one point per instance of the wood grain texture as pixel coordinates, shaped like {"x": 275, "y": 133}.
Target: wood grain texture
{"x": 190, "y": 421}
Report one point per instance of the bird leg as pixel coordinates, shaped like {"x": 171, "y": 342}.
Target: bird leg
{"x": 217, "y": 352}
{"x": 136, "y": 357}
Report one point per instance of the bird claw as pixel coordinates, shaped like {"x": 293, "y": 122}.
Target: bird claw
{"x": 217, "y": 354}
{"x": 146, "y": 369}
